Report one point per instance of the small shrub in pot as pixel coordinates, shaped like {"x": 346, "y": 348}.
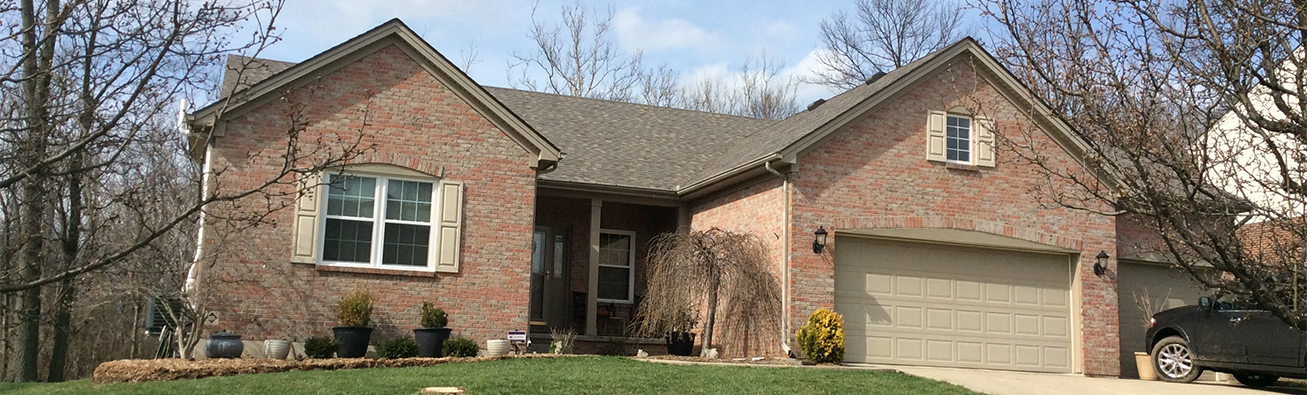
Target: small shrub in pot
{"x": 354, "y": 314}
{"x": 431, "y": 336}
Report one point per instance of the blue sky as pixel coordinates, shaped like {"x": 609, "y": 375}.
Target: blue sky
{"x": 696, "y": 38}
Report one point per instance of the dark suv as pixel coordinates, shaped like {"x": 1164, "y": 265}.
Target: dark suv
{"x": 1228, "y": 336}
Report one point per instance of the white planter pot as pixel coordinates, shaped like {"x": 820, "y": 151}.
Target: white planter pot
{"x": 498, "y": 347}
{"x": 276, "y": 349}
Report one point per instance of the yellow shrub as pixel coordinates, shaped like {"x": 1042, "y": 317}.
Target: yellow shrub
{"x": 822, "y": 338}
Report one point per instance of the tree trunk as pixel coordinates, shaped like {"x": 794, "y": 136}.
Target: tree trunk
{"x": 710, "y": 320}
{"x": 62, "y": 327}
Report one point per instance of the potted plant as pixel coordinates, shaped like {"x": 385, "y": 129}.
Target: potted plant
{"x": 354, "y": 314}
{"x": 679, "y": 339}
{"x": 433, "y": 333}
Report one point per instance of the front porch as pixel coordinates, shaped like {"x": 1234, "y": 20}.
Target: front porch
{"x": 588, "y": 267}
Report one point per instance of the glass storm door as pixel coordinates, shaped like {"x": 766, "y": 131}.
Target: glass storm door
{"x": 549, "y": 285}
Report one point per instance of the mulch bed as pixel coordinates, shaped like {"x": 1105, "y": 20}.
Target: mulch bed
{"x": 140, "y": 370}
{"x": 744, "y": 361}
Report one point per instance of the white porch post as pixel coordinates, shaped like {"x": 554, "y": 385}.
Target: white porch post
{"x": 592, "y": 286}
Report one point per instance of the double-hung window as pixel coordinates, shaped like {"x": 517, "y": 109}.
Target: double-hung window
{"x": 616, "y": 266}
{"x": 958, "y": 135}
{"x": 376, "y": 221}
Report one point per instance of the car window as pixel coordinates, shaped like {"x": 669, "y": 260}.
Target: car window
{"x": 1234, "y": 303}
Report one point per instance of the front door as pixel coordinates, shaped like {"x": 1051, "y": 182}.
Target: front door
{"x": 549, "y": 275}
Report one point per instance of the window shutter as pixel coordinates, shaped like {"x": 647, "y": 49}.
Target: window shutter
{"x": 935, "y": 137}
{"x": 451, "y": 226}
{"x": 304, "y": 246}
{"x": 984, "y": 142}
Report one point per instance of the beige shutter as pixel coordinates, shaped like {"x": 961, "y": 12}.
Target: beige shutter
{"x": 984, "y": 142}
{"x": 935, "y": 137}
{"x": 450, "y": 226}
{"x": 304, "y": 245}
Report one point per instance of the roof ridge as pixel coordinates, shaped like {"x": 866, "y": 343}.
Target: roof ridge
{"x": 634, "y": 104}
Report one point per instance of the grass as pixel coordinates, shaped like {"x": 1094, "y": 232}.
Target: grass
{"x": 581, "y": 375}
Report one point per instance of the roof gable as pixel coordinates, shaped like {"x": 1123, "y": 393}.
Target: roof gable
{"x": 798, "y": 134}
{"x": 265, "y": 81}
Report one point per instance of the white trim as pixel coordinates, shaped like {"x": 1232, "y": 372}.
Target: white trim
{"x": 630, "y": 284}
{"x": 378, "y": 221}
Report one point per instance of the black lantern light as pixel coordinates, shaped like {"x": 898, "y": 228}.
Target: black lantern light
{"x": 1100, "y": 266}
{"x": 820, "y": 241}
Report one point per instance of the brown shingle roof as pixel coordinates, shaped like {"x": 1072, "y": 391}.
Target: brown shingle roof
{"x": 625, "y": 144}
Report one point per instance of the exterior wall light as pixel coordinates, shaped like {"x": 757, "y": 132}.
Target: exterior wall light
{"x": 1100, "y": 266}
{"x": 819, "y": 242}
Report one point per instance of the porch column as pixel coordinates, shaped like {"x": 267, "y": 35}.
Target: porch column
{"x": 592, "y": 286}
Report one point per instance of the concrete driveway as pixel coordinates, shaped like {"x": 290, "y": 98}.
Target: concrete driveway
{"x": 1017, "y": 383}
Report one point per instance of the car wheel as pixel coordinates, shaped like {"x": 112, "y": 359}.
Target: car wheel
{"x": 1256, "y": 380}
{"x": 1174, "y": 361}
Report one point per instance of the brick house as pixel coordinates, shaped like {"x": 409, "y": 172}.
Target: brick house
{"x": 516, "y": 210}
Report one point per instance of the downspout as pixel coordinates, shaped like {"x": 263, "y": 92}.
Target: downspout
{"x": 193, "y": 274}
{"x": 785, "y": 254}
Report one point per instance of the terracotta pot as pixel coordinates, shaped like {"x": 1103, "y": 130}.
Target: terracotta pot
{"x": 1144, "y": 363}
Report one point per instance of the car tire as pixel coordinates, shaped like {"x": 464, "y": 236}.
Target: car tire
{"x": 1174, "y": 362}
{"x": 1256, "y": 380}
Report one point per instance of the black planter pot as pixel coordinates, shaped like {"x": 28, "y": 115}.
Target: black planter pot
{"x": 680, "y": 343}
{"x": 353, "y": 341}
{"x": 430, "y": 341}
{"x": 224, "y": 345}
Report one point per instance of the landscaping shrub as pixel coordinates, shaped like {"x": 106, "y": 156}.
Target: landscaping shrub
{"x": 822, "y": 338}
{"x": 459, "y": 347}
{"x": 399, "y": 347}
{"x": 355, "y": 308}
{"x": 433, "y": 317}
{"x": 320, "y": 347}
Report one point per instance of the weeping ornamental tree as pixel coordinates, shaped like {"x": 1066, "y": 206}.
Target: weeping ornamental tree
{"x": 728, "y": 274}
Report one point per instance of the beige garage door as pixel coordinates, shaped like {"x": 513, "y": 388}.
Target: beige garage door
{"x": 935, "y": 305}
{"x": 1167, "y": 287}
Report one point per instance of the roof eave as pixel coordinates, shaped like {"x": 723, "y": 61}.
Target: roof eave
{"x": 543, "y": 151}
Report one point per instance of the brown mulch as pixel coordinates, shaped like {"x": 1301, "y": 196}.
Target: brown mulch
{"x": 139, "y": 370}
{"x": 745, "y": 361}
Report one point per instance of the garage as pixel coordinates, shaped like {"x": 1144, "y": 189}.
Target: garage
{"x": 991, "y": 302}
{"x": 1166, "y": 286}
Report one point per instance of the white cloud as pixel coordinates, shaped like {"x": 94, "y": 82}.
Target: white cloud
{"x": 635, "y": 32}
{"x": 806, "y": 69}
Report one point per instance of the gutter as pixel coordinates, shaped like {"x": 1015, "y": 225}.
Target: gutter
{"x": 750, "y": 165}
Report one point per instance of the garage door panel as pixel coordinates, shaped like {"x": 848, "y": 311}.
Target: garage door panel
{"x": 952, "y": 306}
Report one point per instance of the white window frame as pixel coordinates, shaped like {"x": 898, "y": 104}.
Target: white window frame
{"x": 630, "y": 284}
{"x": 379, "y": 222}
{"x": 971, "y": 138}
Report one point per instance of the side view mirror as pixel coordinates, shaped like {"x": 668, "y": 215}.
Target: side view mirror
{"x": 1205, "y": 302}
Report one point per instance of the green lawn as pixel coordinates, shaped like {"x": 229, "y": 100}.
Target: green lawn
{"x": 581, "y": 375}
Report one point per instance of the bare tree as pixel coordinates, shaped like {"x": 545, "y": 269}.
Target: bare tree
{"x": 755, "y": 89}
{"x": 577, "y": 57}
{"x": 1195, "y": 113}
{"x": 883, "y": 36}
{"x": 87, "y": 93}
{"x": 728, "y": 273}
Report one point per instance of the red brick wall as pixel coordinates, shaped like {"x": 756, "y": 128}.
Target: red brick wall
{"x": 875, "y": 175}
{"x": 412, "y": 120}
{"x": 758, "y": 209}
